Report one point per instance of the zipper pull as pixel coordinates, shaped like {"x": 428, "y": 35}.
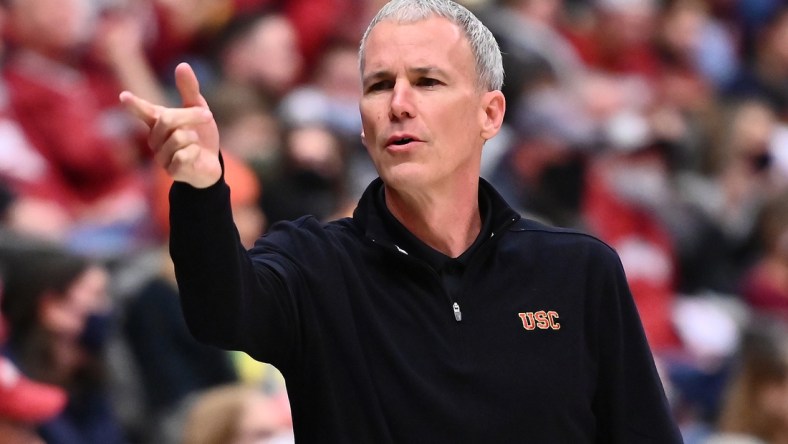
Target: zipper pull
{"x": 457, "y": 312}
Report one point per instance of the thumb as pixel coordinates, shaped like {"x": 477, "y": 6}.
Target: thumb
{"x": 188, "y": 86}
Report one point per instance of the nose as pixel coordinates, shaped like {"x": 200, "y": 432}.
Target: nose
{"x": 402, "y": 106}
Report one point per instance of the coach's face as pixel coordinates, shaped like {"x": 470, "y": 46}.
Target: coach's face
{"x": 424, "y": 116}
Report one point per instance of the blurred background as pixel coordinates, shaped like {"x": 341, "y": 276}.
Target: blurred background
{"x": 659, "y": 126}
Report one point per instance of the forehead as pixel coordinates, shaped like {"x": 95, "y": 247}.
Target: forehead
{"x": 434, "y": 41}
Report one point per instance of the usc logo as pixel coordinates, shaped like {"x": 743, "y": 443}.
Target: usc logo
{"x": 542, "y": 320}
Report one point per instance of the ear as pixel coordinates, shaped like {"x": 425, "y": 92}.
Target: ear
{"x": 363, "y": 139}
{"x": 493, "y": 109}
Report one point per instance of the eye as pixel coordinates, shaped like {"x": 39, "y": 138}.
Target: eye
{"x": 428, "y": 82}
{"x": 380, "y": 86}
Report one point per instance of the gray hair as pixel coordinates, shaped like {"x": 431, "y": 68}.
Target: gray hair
{"x": 487, "y": 54}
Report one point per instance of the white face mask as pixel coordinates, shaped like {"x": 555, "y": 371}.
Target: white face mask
{"x": 646, "y": 186}
{"x": 626, "y": 131}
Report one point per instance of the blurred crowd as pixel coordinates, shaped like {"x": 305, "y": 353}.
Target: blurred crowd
{"x": 659, "y": 126}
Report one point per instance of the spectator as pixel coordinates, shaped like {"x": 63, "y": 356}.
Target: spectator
{"x": 260, "y": 51}
{"x": 754, "y": 406}
{"x": 188, "y": 29}
{"x": 237, "y": 414}
{"x": 765, "y": 284}
{"x": 763, "y": 76}
{"x": 90, "y": 152}
{"x": 685, "y": 104}
{"x": 24, "y": 403}
{"x": 741, "y": 176}
{"x": 535, "y": 51}
{"x": 313, "y": 178}
{"x": 624, "y": 192}
{"x": 32, "y": 195}
{"x": 620, "y": 38}
{"x": 331, "y": 96}
{"x": 251, "y": 129}
{"x": 58, "y": 310}
{"x": 544, "y": 171}
{"x": 119, "y": 45}
{"x": 690, "y": 36}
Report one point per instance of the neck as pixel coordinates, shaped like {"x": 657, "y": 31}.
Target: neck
{"x": 447, "y": 221}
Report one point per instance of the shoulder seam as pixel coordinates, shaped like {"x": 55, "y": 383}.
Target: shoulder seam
{"x": 564, "y": 231}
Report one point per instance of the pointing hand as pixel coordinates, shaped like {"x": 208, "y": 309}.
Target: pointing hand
{"x": 185, "y": 140}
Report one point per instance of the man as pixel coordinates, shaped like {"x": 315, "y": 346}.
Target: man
{"x": 435, "y": 313}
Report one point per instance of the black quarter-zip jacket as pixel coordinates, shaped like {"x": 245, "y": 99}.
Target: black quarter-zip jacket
{"x": 532, "y": 336}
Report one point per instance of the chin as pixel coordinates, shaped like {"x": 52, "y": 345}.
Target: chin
{"x": 404, "y": 176}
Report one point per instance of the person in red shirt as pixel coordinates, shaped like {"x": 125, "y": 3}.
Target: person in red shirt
{"x": 59, "y": 95}
{"x": 620, "y": 39}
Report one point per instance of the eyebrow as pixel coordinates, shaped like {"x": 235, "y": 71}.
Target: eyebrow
{"x": 420, "y": 70}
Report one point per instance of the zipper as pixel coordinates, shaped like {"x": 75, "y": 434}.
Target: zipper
{"x": 457, "y": 312}
{"x": 456, "y": 306}
{"x": 395, "y": 248}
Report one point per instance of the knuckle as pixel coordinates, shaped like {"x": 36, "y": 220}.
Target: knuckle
{"x": 182, "y": 137}
{"x": 178, "y": 159}
{"x": 182, "y": 157}
{"x": 175, "y": 168}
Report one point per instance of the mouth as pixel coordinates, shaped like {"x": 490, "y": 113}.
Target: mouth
{"x": 403, "y": 141}
{"x": 400, "y": 140}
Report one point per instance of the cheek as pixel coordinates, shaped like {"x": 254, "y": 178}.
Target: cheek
{"x": 61, "y": 321}
{"x": 369, "y": 125}
{"x": 457, "y": 129}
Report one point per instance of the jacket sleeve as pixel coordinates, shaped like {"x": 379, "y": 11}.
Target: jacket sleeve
{"x": 227, "y": 301}
{"x": 630, "y": 402}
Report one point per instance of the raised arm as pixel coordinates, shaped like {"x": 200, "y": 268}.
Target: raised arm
{"x": 221, "y": 293}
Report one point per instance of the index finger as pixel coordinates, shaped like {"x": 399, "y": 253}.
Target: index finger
{"x": 141, "y": 108}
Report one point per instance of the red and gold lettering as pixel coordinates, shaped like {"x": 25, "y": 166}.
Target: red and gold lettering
{"x": 552, "y": 317}
{"x": 541, "y": 320}
{"x": 528, "y": 320}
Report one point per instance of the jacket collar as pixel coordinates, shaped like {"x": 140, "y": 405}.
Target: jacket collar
{"x": 369, "y": 216}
